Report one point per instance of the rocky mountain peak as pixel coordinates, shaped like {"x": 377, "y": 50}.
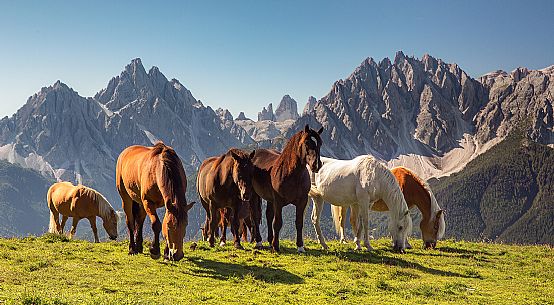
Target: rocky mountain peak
{"x": 242, "y": 116}
{"x": 266, "y": 113}
{"x": 309, "y": 105}
{"x": 287, "y": 109}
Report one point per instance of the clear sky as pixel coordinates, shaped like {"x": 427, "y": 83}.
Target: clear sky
{"x": 241, "y": 55}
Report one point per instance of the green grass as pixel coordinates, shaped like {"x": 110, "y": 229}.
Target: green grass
{"x": 53, "y": 270}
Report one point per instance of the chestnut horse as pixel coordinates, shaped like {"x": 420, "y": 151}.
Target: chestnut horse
{"x": 282, "y": 178}
{"x": 148, "y": 178}
{"x": 79, "y": 202}
{"x": 417, "y": 193}
{"x": 226, "y": 182}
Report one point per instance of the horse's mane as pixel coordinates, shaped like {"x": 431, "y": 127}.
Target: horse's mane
{"x": 392, "y": 192}
{"x": 170, "y": 175}
{"x": 229, "y": 153}
{"x": 288, "y": 160}
{"x": 433, "y": 201}
{"x": 104, "y": 206}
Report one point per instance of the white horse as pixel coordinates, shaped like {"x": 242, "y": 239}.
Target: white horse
{"x": 359, "y": 183}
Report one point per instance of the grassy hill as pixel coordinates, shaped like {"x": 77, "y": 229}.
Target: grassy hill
{"x": 52, "y": 270}
{"x": 505, "y": 194}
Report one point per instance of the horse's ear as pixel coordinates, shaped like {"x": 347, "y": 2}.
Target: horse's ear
{"x": 439, "y": 213}
{"x": 320, "y": 131}
{"x": 252, "y": 154}
{"x": 189, "y": 206}
{"x": 307, "y": 128}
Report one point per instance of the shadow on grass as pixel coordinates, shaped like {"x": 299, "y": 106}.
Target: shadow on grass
{"x": 224, "y": 271}
{"x": 379, "y": 257}
{"x": 462, "y": 251}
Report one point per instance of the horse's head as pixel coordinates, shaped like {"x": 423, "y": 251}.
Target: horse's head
{"x": 310, "y": 145}
{"x": 243, "y": 169}
{"x": 174, "y": 227}
{"x": 400, "y": 231}
{"x": 432, "y": 230}
{"x": 110, "y": 224}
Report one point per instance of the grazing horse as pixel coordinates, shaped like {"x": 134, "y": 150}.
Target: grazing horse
{"x": 79, "y": 202}
{"x": 359, "y": 183}
{"x": 282, "y": 178}
{"x": 148, "y": 178}
{"x": 226, "y": 182}
{"x": 417, "y": 193}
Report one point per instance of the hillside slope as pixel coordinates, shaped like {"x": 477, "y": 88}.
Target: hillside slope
{"x": 505, "y": 194}
{"x": 22, "y": 201}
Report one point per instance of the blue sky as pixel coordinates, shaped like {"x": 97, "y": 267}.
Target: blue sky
{"x": 242, "y": 55}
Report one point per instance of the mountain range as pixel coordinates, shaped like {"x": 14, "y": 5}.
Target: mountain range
{"x": 422, "y": 113}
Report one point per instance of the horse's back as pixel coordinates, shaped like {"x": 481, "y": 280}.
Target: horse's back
{"x": 130, "y": 165}
{"x": 265, "y": 158}
{"x": 61, "y": 193}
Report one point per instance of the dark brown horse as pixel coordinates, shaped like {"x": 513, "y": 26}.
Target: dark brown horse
{"x": 226, "y": 182}
{"x": 149, "y": 178}
{"x": 282, "y": 178}
{"x": 225, "y": 218}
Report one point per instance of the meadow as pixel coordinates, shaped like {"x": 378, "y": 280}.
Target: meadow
{"x": 54, "y": 270}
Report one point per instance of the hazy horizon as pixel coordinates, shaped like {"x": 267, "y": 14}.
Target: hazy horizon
{"x": 242, "y": 57}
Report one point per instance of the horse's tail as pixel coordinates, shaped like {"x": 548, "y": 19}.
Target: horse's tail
{"x": 53, "y": 226}
{"x": 336, "y": 211}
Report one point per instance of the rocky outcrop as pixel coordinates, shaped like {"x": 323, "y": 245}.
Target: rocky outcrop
{"x": 287, "y": 109}
{"x": 266, "y": 114}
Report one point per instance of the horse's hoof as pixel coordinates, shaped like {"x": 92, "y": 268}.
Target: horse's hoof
{"x": 343, "y": 241}
{"x": 212, "y": 245}
{"x": 325, "y": 247}
{"x": 193, "y": 246}
{"x": 222, "y": 244}
{"x": 408, "y": 246}
{"x": 259, "y": 246}
{"x": 155, "y": 256}
{"x": 301, "y": 250}
{"x": 132, "y": 252}
{"x": 238, "y": 246}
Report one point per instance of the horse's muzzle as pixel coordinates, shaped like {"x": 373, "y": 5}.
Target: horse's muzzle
{"x": 398, "y": 249}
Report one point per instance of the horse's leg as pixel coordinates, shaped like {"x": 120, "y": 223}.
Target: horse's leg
{"x": 343, "y": 210}
{"x": 139, "y": 215}
{"x": 213, "y": 225}
{"x": 224, "y": 222}
{"x": 92, "y": 221}
{"x": 357, "y": 228}
{"x": 74, "y": 227}
{"x": 156, "y": 228}
{"x": 127, "y": 204}
{"x": 255, "y": 221}
{"x": 269, "y": 216}
{"x": 316, "y": 214}
{"x": 354, "y": 215}
{"x": 277, "y": 225}
{"x": 235, "y": 223}
{"x": 62, "y": 226}
{"x": 364, "y": 210}
{"x": 299, "y": 222}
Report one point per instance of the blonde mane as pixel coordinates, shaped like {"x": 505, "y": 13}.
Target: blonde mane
{"x": 104, "y": 207}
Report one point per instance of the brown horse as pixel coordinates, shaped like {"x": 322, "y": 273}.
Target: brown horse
{"x": 226, "y": 182}
{"x": 149, "y": 178}
{"x": 225, "y": 218}
{"x": 282, "y": 178}
{"x": 79, "y": 202}
{"x": 417, "y": 193}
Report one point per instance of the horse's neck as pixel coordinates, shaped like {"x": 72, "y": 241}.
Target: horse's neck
{"x": 393, "y": 199}
{"x": 420, "y": 198}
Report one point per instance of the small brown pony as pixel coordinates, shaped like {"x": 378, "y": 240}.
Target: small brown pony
{"x": 226, "y": 182}
{"x": 417, "y": 193}
{"x": 148, "y": 178}
{"x": 282, "y": 178}
{"x": 79, "y": 202}
{"x": 225, "y": 218}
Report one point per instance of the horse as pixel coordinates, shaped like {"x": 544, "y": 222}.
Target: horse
{"x": 225, "y": 218}
{"x": 226, "y": 182}
{"x": 417, "y": 193}
{"x": 359, "y": 183}
{"x": 79, "y": 201}
{"x": 148, "y": 178}
{"x": 282, "y": 178}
